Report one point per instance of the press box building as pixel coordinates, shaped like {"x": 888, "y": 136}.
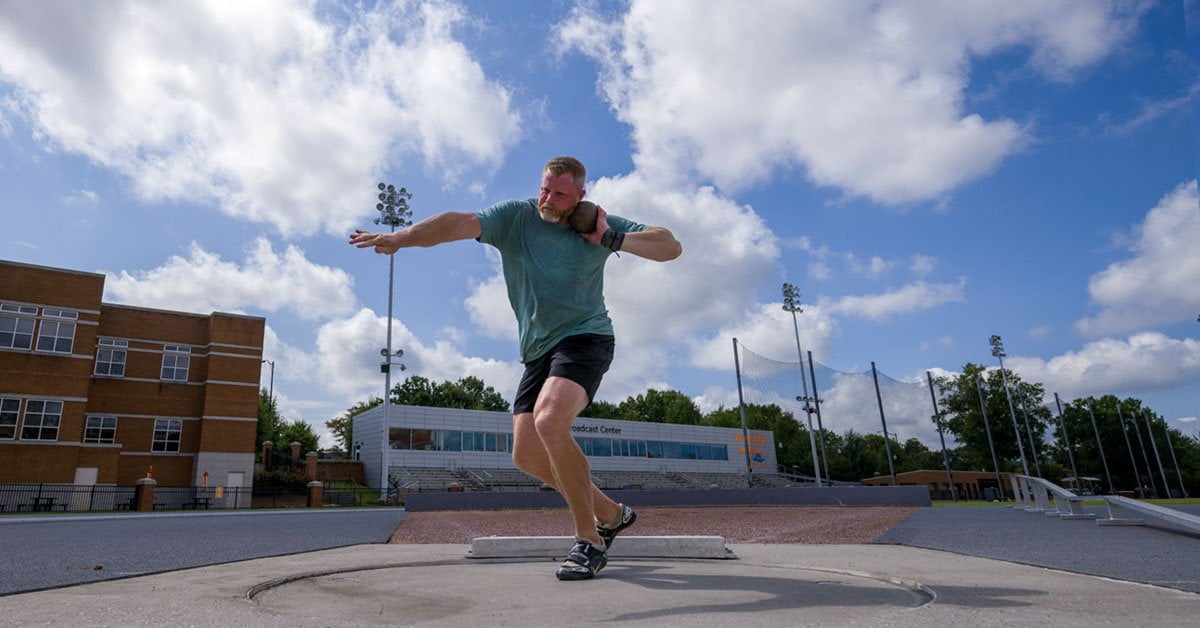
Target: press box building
{"x": 97, "y": 393}
{"x": 421, "y": 437}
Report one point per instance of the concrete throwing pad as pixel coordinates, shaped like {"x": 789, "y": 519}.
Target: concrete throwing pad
{"x": 625, "y": 547}
{"x": 650, "y": 592}
{"x": 768, "y": 585}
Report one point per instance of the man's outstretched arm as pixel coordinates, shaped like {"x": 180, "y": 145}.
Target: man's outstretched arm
{"x": 438, "y": 229}
{"x": 654, "y": 243}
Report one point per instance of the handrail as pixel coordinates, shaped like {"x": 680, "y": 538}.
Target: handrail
{"x": 1120, "y": 509}
{"x": 1037, "y": 494}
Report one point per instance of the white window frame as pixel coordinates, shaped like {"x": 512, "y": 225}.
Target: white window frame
{"x": 171, "y": 431}
{"x": 15, "y": 414}
{"x": 173, "y": 357}
{"x": 60, "y": 331}
{"x": 21, "y": 314}
{"x": 111, "y": 347}
{"x": 104, "y": 429}
{"x": 43, "y": 416}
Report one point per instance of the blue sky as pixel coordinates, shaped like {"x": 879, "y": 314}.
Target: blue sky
{"x": 928, "y": 173}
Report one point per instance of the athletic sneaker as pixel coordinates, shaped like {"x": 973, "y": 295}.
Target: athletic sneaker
{"x": 608, "y": 534}
{"x": 584, "y": 561}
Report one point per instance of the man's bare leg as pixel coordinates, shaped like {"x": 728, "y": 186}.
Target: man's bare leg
{"x": 530, "y": 456}
{"x": 556, "y": 408}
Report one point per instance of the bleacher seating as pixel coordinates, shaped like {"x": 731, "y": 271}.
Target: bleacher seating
{"x": 439, "y": 479}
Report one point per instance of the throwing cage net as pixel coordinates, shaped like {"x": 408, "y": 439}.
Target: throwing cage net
{"x": 847, "y": 400}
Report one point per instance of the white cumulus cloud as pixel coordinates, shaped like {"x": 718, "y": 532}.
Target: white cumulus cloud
{"x": 907, "y": 299}
{"x": 866, "y": 97}
{"x": 269, "y": 108}
{"x": 1160, "y": 284}
{"x": 266, "y": 280}
{"x": 1144, "y": 361}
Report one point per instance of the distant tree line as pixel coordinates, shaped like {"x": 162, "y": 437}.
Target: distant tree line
{"x": 854, "y": 456}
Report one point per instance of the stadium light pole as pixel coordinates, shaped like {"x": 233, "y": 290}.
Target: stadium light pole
{"x": 791, "y": 303}
{"x": 998, "y": 352}
{"x": 393, "y": 212}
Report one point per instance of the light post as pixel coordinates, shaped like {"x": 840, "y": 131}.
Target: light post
{"x": 791, "y": 303}
{"x": 887, "y": 448}
{"x": 393, "y": 212}
{"x": 998, "y": 352}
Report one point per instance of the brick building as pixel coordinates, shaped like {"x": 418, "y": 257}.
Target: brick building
{"x": 96, "y": 393}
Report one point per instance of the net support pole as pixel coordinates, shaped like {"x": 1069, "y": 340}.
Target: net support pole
{"x": 1158, "y": 459}
{"x": 737, "y": 367}
{"x": 820, "y": 427}
{"x": 1100, "y": 447}
{"x": 1137, "y": 481}
{"x": 937, "y": 417}
{"x": 812, "y": 437}
{"x": 1062, "y": 422}
{"x": 887, "y": 443}
{"x": 987, "y": 429}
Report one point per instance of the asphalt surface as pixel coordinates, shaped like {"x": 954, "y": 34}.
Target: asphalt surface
{"x": 53, "y": 551}
{"x": 1133, "y": 553}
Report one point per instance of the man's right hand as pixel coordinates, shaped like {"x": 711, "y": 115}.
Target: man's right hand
{"x": 382, "y": 242}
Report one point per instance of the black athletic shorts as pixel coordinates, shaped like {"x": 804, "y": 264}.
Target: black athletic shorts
{"x": 582, "y": 359}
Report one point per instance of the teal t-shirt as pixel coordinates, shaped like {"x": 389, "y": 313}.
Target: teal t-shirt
{"x": 555, "y": 278}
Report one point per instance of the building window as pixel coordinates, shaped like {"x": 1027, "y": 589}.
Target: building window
{"x": 16, "y": 330}
{"x": 110, "y": 357}
{"x": 166, "y": 434}
{"x": 101, "y": 429}
{"x": 9, "y": 410}
{"x": 175, "y": 362}
{"x": 41, "y": 420}
{"x": 56, "y": 336}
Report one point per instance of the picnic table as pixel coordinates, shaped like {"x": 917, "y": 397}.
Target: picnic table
{"x": 42, "y": 504}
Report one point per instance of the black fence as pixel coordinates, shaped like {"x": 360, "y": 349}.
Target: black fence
{"x": 64, "y": 498}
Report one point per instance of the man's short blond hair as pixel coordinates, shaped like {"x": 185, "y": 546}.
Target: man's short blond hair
{"x": 563, "y": 164}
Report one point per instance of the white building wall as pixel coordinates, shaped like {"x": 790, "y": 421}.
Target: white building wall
{"x": 369, "y": 436}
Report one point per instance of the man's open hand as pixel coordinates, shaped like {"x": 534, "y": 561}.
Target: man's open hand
{"x": 381, "y": 241}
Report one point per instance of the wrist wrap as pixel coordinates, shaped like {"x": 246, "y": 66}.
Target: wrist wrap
{"x": 612, "y": 240}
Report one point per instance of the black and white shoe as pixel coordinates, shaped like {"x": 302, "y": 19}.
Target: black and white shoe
{"x": 608, "y": 534}
{"x": 584, "y": 561}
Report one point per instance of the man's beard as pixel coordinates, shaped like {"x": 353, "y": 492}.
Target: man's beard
{"x": 548, "y": 213}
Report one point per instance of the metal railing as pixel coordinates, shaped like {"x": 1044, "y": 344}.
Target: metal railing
{"x": 64, "y": 498}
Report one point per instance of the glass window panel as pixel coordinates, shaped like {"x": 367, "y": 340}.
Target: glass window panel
{"x": 641, "y": 449}
{"x": 601, "y": 447}
{"x": 9, "y": 409}
{"x": 453, "y": 441}
{"x": 399, "y": 438}
{"x": 479, "y": 441}
{"x": 687, "y": 451}
{"x": 583, "y": 444}
{"x": 489, "y": 441}
{"x": 16, "y": 333}
{"x": 422, "y": 440}
{"x": 722, "y": 453}
{"x": 671, "y": 449}
{"x": 654, "y": 449}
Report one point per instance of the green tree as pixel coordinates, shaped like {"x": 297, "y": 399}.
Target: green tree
{"x": 342, "y": 426}
{"x": 298, "y": 432}
{"x": 269, "y": 423}
{"x": 598, "y": 409}
{"x": 959, "y": 402}
{"x": 468, "y": 393}
{"x": 660, "y": 406}
{"x": 1126, "y": 473}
